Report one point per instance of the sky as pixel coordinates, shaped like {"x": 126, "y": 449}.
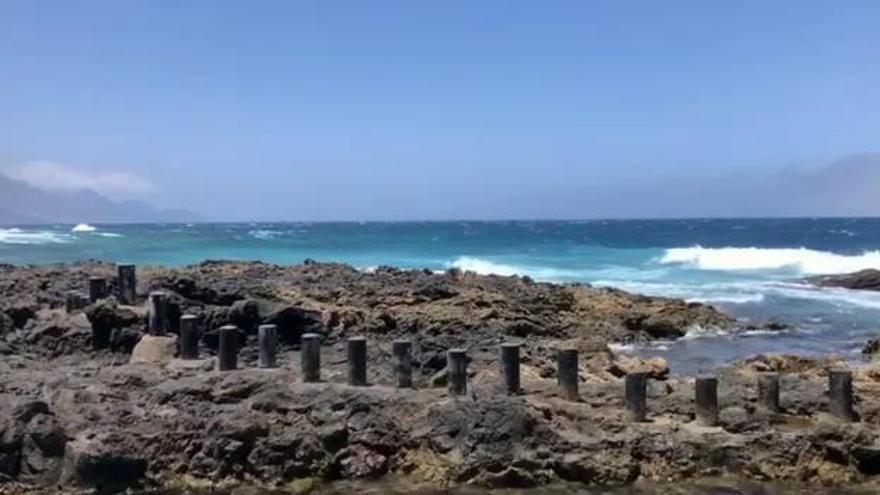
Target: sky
{"x": 350, "y": 110}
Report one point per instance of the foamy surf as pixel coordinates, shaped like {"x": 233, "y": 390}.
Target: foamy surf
{"x": 83, "y": 227}
{"x": 803, "y": 261}
{"x": 487, "y": 267}
{"x": 19, "y": 236}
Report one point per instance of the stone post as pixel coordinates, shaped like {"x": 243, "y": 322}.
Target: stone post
{"x": 403, "y": 363}
{"x": 189, "y": 337}
{"x": 126, "y": 284}
{"x": 74, "y": 301}
{"x": 311, "y": 357}
{"x": 840, "y": 394}
{"x": 267, "y": 335}
{"x": 567, "y": 373}
{"x": 357, "y": 361}
{"x": 768, "y": 392}
{"x": 510, "y": 367}
{"x": 456, "y": 367}
{"x": 97, "y": 288}
{"x": 227, "y": 352}
{"x": 706, "y": 400}
{"x": 636, "y": 396}
{"x": 158, "y": 313}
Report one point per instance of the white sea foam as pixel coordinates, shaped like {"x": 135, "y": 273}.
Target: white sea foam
{"x": 726, "y": 293}
{"x": 264, "y": 235}
{"x": 109, "y": 234}
{"x": 804, "y": 261}
{"x": 19, "y": 236}
{"x": 486, "y": 267}
{"x": 83, "y": 227}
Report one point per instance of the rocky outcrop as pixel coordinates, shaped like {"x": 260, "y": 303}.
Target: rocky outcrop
{"x": 85, "y": 415}
{"x": 868, "y": 279}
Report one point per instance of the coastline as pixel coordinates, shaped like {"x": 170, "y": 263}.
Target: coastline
{"x": 84, "y": 417}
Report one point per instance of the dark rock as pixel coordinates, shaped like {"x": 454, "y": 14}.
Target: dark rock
{"x": 868, "y": 279}
{"x": 106, "y": 461}
{"x": 293, "y": 322}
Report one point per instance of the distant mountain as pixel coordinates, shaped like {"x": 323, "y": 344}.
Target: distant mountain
{"x": 21, "y": 203}
{"x": 846, "y": 187}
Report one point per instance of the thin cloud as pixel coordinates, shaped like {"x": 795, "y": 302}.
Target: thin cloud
{"x": 52, "y": 176}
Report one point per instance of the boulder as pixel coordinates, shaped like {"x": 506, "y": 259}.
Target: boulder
{"x": 107, "y": 461}
{"x": 154, "y": 349}
{"x": 107, "y": 316}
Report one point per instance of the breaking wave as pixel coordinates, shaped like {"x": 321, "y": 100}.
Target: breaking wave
{"x": 18, "y": 236}
{"x": 486, "y": 267}
{"x": 804, "y": 261}
{"x": 264, "y": 235}
{"x": 83, "y": 227}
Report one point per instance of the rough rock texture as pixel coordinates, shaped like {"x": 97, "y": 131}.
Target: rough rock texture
{"x": 868, "y": 279}
{"x": 84, "y": 418}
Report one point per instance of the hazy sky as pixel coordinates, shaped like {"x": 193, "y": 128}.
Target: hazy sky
{"x": 413, "y": 109}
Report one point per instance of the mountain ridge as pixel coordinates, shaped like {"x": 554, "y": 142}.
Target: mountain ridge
{"x": 26, "y": 204}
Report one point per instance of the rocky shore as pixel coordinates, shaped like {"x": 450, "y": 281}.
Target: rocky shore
{"x": 77, "y": 417}
{"x": 868, "y": 279}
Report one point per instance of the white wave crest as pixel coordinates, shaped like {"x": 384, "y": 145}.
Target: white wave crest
{"x": 83, "y": 227}
{"x": 18, "y": 236}
{"x": 109, "y": 234}
{"x": 264, "y": 235}
{"x": 804, "y": 261}
{"x": 486, "y": 267}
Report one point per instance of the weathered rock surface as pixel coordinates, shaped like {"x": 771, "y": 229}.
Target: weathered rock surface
{"x": 79, "y": 417}
{"x": 868, "y": 279}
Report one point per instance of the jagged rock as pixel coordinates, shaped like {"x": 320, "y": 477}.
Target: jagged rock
{"x": 54, "y": 332}
{"x": 268, "y": 427}
{"x": 106, "y": 317}
{"x": 104, "y": 460}
{"x": 6, "y": 324}
{"x": 868, "y": 279}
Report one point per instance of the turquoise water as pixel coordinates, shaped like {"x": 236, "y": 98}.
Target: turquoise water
{"x": 749, "y": 268}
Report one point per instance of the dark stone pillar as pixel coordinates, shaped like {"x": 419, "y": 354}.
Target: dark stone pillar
{"x": 158, "y": 313}
{"x": 190, "y": 334}
{"x": 126, "y": 284}
{"x": 636, "y": 396}
{"x": 403, "y": 363}
{"x": 768, "y": 392}
{"x": 567, "y": 373}
{"x": 97, "y": 288}
{"x": 510, "y": 367}
{"x": 840, "y": 394}
{"x": 311, "y": 357}
{"x": 706, "y": 399}
{"x": 227, "y": 352}
{"x": 268, "y": 340}
{"x": 357, "y": 361}
{"x": 456, "y": 366}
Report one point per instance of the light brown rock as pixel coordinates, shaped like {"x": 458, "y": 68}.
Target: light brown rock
{"x": 154, "y": 349}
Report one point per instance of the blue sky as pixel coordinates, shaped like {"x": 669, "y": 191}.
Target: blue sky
{"x": 422, "y": 110}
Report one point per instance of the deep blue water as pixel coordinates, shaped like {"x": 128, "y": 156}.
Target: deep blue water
{"x": 749, "y": 268}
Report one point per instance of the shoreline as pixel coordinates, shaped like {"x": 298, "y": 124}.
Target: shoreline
{"x": 80, "y": 416}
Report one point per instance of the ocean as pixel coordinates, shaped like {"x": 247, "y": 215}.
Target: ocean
{"x": 752, "y": 269}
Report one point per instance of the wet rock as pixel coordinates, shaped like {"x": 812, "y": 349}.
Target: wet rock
{"x": 868, "y": 279}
